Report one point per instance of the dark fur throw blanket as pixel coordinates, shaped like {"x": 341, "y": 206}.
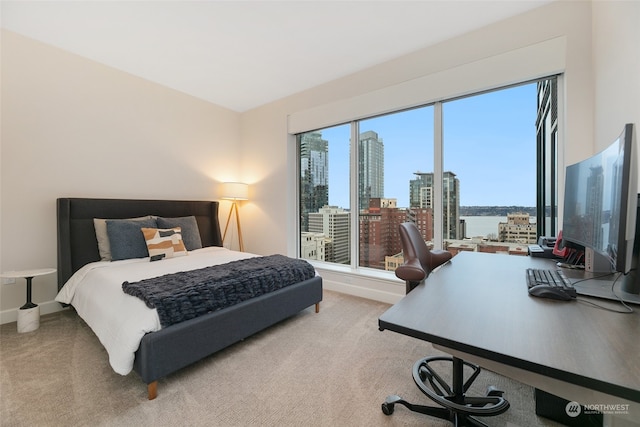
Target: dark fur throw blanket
{"x": 182, "y": 296}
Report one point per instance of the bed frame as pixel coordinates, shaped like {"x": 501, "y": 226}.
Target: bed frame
{"x": 170, "y": 349}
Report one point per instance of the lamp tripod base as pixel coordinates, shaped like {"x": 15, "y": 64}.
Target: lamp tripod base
{"x": 234, "y": 207}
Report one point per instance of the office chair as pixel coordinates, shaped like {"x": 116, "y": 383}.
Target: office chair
{"x": 455, "y": 405}
{"x": 419, "y": 261}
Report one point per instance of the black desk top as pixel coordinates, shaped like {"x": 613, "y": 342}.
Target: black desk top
{"x": 479, "y": 304}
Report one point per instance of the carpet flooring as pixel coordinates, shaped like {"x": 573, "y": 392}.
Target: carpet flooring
{"x": 334, "y": 368}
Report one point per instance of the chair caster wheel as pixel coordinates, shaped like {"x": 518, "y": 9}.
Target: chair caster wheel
{"x": 493, "y": 391}
{"x": 387, "y": 408}
{"x": 390, "y": 402}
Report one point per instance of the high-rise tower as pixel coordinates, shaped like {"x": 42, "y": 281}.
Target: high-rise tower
{"x": 421, "y": 196}
{"x": 314, "y": 175}
{"x": 370, "y": 168}
{"x": 333, "y": 222}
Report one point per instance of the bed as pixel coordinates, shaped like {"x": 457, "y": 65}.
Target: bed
{"x": 168, "y": 349}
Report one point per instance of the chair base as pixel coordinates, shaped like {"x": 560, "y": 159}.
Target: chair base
{"x": 442, "y": 413}
{"x": 455, "y": 406}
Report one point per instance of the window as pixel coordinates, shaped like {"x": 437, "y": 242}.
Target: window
{"x": 324, "y": 196}
{"x": 473, "y": 173}
{"x": 393, "y": 149}
{"x": 489, "y": 152}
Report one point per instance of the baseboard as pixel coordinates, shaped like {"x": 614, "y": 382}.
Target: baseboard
{"x": 8, "y": 316}
{"x": 361, "y": 292}
{"x": 369, "y": 287}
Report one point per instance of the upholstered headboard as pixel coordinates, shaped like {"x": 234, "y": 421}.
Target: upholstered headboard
{"x": 77, "y": 243}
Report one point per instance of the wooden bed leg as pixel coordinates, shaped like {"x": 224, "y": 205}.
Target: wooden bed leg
{"x": 317, "y": 307}
{"x": 152, "y": 390}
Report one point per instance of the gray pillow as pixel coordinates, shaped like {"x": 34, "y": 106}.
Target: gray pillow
{"x": 100, "y": 225}
{"x": 126, "y": 238}
{"x": 190, "y": 232}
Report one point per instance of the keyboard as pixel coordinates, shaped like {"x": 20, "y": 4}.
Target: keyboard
{"x": 554, "y": 278}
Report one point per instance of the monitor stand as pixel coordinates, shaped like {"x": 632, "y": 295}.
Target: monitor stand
{"x": 601, "y": 288}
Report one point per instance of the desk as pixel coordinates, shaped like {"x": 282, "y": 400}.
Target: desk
{"x": 477, "y": 308}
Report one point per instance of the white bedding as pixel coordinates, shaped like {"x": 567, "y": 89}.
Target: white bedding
{"x": 120, "y": 320}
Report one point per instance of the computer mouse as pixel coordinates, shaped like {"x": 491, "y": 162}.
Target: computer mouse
{"x": 552, "y": 292}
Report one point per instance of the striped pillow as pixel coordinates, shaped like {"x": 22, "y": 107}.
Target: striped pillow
{"x": 164, "y": 242}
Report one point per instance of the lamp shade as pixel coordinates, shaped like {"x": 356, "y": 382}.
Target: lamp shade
{"x": 235, "y": 191}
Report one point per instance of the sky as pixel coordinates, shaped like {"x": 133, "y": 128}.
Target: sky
{"x": 489, "y": 143}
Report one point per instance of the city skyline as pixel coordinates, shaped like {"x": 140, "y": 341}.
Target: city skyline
{"x": 489, "y": 143}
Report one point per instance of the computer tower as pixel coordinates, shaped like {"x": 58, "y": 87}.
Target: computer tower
{"x": 566, "y": 412}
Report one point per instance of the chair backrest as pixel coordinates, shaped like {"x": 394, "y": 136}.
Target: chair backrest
{"x": 419, "y": 261}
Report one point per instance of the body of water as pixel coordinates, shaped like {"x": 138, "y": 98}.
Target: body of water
{"x": 484, "y": 225}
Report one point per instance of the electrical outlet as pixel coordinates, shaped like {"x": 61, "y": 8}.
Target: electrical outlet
{"x": 8, "y": 280}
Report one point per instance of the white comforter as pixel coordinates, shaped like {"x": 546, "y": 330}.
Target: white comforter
{"x": 120, "y": 320}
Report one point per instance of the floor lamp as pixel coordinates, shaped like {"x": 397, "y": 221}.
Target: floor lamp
{"x": 235, "y": 191}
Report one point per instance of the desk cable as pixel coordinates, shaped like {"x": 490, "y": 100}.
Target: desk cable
{"x": 628, "y": 310}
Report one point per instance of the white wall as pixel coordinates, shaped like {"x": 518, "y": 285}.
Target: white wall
{"x": 271, "y": 228}
{"x": 616, "y": 65}
{"x": 74, "y": 128}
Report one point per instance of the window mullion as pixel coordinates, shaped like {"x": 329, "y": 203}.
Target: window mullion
{"x": 560, "y": 141}
{"x": 354, "y": 234}
{"x": 438, "y": 212}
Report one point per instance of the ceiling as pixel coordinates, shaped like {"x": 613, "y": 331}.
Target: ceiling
{"x": 243, "y": 54}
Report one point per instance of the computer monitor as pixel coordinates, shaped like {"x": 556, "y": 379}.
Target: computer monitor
{"x": 601, "y": 208}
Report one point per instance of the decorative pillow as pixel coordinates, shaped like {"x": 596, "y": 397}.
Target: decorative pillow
{"x": 100, "y": 225}
{"x": 164, "y": 243}
{"x": 190, "y": 231}
{"x": 126, "y": 239}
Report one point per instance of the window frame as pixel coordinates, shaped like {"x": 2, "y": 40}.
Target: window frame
{"x": 438, "y": 175}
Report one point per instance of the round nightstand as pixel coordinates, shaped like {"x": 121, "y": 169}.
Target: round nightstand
{"x": 29, "y": 313}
